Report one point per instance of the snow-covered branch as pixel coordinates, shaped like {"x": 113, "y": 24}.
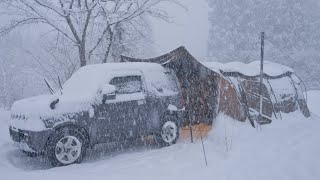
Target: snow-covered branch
{"x": 88, "y": 24}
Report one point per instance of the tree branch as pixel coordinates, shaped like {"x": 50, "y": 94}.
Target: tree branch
{"x": 109, "y": 46}
{"x": 18, "y": 23}
{"x": 99, "y": 39}
{"x": 47, "y": 21}
{"x": 48, "y": 7}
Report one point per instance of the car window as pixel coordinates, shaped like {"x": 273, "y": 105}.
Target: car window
{"x": 127, "y": 84}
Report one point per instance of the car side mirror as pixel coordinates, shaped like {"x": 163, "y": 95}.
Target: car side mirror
{"x": 108, "y": 92}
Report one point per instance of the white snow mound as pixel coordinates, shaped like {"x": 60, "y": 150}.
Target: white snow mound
{"x": 250, "y": 69}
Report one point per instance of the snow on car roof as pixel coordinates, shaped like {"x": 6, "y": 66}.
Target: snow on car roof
{"x": 121, "y": 66}
{"x": 87, "y": 78}
{"x": 250, "y": 69}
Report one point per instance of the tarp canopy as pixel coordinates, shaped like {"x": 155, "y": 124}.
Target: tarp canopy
{"x": 233, "y": 88}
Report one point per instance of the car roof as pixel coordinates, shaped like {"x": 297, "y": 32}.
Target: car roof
{"x": 85, "y": 81}
{"x": 107, "y": 67}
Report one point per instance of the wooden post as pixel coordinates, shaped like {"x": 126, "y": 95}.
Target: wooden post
{"x": 261, "y": 73}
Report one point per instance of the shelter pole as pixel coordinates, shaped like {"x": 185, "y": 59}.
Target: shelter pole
{"x": 204, "y": 152}
{"x": 261, "y": 73}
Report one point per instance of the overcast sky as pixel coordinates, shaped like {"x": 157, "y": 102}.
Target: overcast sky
{"x": 190, "y": 29}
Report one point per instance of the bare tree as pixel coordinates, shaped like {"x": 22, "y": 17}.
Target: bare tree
{"x": 53, "y": 61}
{"x": 13, "y": 72}
{"x": 88, "y": 24}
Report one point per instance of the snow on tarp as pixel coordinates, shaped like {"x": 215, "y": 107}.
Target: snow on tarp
{"x": 250, "y": 69}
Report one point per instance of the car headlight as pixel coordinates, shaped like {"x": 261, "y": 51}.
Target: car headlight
{"x": 48, "y": 123}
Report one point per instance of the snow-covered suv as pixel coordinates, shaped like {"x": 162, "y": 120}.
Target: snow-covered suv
{"x": 99, "y": 104}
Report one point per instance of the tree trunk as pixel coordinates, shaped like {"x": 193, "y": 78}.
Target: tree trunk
{"x": 106, "y": 55}
{"x": 82, "y": 55}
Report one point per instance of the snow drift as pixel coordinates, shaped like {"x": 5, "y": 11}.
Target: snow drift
{"x": 285, "y": 149}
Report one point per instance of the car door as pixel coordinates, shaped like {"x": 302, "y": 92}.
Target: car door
{"x": 123, "y": 116}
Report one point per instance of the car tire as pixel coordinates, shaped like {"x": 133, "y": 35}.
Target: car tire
{"x": 169, "y": 132}
{"x": 66, "y": 146}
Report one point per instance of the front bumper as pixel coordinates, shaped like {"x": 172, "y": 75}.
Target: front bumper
{"x": 31, "y": 141}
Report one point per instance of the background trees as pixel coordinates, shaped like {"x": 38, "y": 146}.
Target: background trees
{"x": 93, "y": 27}
{"x": 291, "y": 27}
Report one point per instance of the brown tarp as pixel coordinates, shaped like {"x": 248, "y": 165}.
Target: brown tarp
{"x": 205, "y": 92}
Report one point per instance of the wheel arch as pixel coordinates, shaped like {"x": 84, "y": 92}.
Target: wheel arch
{"x": 178, "y": 114}
{"x": 172, "y": 114}
{"x": 71, "y": 125}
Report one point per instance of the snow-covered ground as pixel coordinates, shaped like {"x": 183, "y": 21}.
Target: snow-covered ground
{"x": 314, "y": 101}
{"x": 286, "y": 149}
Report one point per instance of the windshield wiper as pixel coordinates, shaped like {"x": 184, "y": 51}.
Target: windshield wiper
{"x": 53, "y": 103}
{"x": 60, "y": 86}
{"x": 49, "y": 87}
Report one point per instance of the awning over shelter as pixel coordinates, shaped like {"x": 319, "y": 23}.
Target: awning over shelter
{"x": 208, "y": 88}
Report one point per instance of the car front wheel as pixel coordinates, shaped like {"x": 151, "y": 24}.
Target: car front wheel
{"x": 66, "y": 147}
{"x": 169, "y": 132}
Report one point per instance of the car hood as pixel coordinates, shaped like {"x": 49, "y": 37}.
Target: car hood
{"x": 29, "y": 113}
{"x": 33, "y": 106}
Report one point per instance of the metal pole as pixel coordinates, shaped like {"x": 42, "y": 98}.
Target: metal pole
{"x": 261, "y": 72}
{"x": 204, "y": 152}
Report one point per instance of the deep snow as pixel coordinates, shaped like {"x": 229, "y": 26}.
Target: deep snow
{"x": 285, "y": 149}
{"x": 313, "y": 98}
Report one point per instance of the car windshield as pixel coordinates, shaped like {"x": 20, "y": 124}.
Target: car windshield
{"x": 84, "y": 83}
